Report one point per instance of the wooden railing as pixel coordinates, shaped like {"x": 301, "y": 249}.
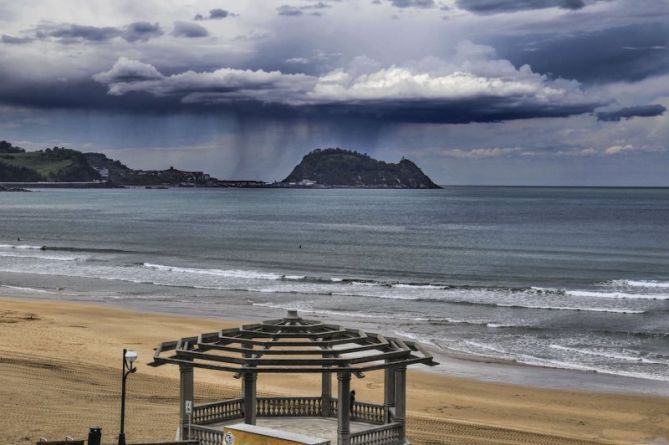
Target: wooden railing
{"x": 289, "y": 407}
{"x": 369, "y": 412}
{"x": 206, "y": 436}
{"x": 381, "y": 435}
{"x": 218, "y": 412}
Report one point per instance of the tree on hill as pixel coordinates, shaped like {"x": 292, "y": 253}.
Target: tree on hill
{"x": 6, "y": 147}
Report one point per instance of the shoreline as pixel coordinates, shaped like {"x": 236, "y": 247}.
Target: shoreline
{"x": 453, "y": 363}
{"x": 64, "y": 354}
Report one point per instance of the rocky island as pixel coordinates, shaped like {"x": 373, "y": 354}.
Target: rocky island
{"x": 336, "y": 167}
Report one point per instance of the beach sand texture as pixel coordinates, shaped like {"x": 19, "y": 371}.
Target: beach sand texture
{"x": 60, "y": 374}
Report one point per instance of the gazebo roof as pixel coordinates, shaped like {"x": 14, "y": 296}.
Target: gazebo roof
{"x": 291, "y": 345}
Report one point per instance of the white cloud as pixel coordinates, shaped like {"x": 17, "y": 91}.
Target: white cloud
{"x": 463, "y": 84}
{"x": 628, "y": 148}
{"x": 480, "y": 153}
{"x": 617, "y": 149}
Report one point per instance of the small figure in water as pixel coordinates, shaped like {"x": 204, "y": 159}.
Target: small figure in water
{"x": 300, "y": 246}
{"x": 18, "y": 239}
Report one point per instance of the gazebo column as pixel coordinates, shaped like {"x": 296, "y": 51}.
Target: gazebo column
{"x": 250, "y": 401}
{"x": 185, "y": 394}
{"x": 400, "y": 400}
{"x": 344, "y": 408}
{"x": 326, "y": 393}
{"x": 389, "y": 390}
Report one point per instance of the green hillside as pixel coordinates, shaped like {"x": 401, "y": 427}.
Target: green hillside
{"x": 52, "y": 164}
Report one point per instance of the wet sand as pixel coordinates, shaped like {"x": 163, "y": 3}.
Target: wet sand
{"x": 60, "y": 366}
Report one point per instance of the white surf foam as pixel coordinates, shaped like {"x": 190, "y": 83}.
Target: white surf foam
{"x": 294, "y": 277}
{"x": 615, "y": 295}
{"x": 417, "y": 338}
{"x": 26, "y": 289}
{"x": 229, "y": 273}
{"x": 647, "y": 284}
{"x": 578, "y": 309}
{"x": 309, "y": 310}
{"x": 611, "y": 355}
{"x": 417, "y": 286}
{"x": 551, "y": 363}
{"x": 20, "y": 247}
{"x": 39, "y": 257}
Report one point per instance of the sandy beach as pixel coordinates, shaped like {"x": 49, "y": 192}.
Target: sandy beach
{"x": 59, "y": 364}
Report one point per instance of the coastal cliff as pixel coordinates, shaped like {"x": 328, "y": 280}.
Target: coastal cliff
{"x": 336, "y": 167}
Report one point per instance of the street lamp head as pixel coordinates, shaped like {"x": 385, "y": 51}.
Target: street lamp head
{"x": 130, "y": 356}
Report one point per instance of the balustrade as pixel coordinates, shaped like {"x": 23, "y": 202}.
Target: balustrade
{"x": 206, "y": 436}
{"x": 218, "y": 412}
{"x": 369, "y": 412}
{"x": 382, "y": 435}
{"x": 290, "y": 407}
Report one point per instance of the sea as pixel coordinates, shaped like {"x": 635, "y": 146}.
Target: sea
{"x": 538, "y": 278}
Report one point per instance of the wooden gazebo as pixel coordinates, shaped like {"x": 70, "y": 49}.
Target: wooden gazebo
{"x": 296, "y": 345}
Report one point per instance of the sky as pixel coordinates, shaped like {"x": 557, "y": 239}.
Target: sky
{"x": 488, "y": 92}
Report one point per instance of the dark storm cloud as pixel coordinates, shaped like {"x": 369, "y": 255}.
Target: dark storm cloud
{"x": 317, "y": 5}
{"x": 413, "y": 3}
{"x": 189, "y": 30}
{"x": 502, "y": 6}
{"x": 289, "y": 11}
{"x": 406, "y": 95}
{"x": 132, "y": 87}
{"x": 215, "y": 14}
{"x": 218, "y": 13}
{"x": 77, "y": 95}
{"x": 141, "y": 31}
{"x": 296, "y": 11}
{"x": 624, "y": 53}
{"x": 73, "y": 33}
{"x": 630, "y": 112}
{"x": 11, "y": 40}
{"x": 480, "y": 109}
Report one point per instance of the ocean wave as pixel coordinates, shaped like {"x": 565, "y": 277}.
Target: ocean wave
{"x": 39, "y": 257}
{"x": 417, "y": 338}
{"x": 230, "y": 273}
{"x": 553, "y": 363}
{"x": 506, "y": 326}
{"x": 569, "y": 308}
{"x": 87, "y": 249}
{"x": 646, "y": 284}
{"x": 616, "y": 295}
{"x": 62, "y": 248}
{"x": 26, "y": 289}
{"x": 505, "y": 305}
{"x": 21, "y": 247}
{"x": 610, "y": 355}
{"x": 487, "y": 324}
{"x": 525, "y": 328}
{"x": 417, "y": 286}
{"x": 301, "y": 308}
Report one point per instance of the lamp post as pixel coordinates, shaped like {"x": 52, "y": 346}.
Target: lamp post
{"x": 129, "y": 358}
